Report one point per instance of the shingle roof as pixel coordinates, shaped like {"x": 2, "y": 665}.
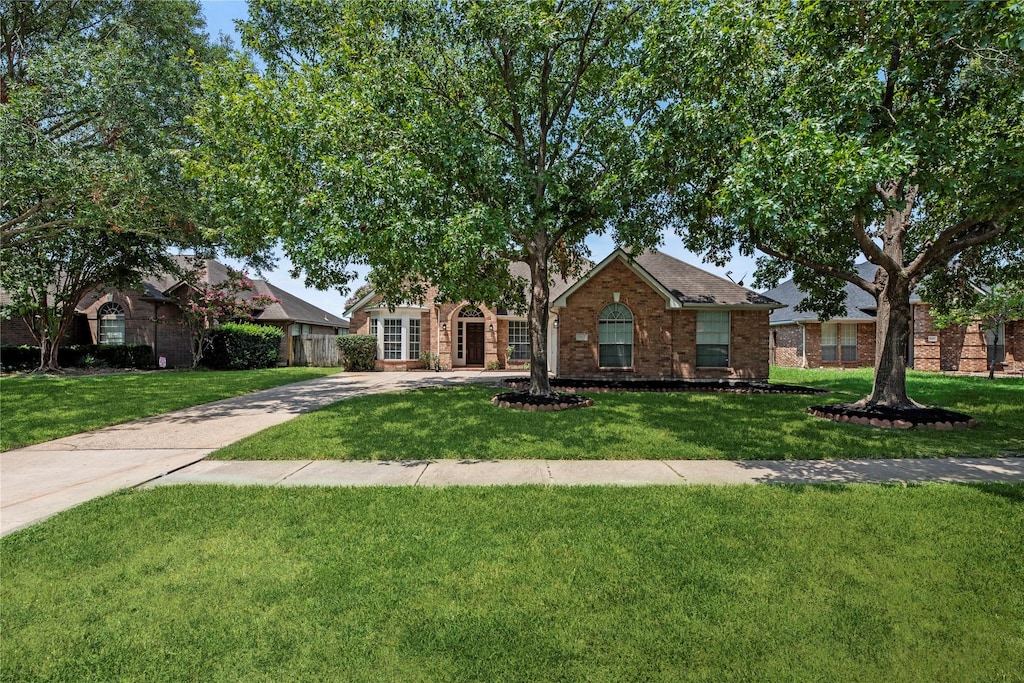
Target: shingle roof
{"x": 859, "y": 304}
{"x": 691, "y": 285}
{"x": 558, "y": 284}
{"x": 289, "y": 308}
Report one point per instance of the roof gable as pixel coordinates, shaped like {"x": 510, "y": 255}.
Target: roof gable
{"x": 679, "y": 283}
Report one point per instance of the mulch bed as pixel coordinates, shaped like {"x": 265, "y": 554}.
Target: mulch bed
{"x": 890, "y": 418}
{"x": 667, "y": 385}
{"x": 523, "y": 400}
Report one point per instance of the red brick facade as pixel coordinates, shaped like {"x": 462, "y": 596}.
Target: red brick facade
{"x": 954, "y": 349}
{"x": 962, "y": 349}
{"x": 154, "y": 323}
{"x": 664, "y": 340}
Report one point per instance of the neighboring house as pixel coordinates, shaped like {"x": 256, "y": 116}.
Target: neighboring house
{"x": 651, "y": 316}
{"x": 151, "y": 316}
{"x": 801, "y": 339}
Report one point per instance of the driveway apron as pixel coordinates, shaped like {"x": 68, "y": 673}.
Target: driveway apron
{"x": 41, "y": 480}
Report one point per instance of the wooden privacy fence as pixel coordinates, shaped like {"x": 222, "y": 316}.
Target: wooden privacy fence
{"x": 315, "y": 350}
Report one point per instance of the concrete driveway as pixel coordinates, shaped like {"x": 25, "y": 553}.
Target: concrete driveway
{"x": 42, "y": 480}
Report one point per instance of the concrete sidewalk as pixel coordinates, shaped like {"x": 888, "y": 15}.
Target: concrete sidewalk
{"x": 42, "y": 480}
{"x": 594, "y": 472}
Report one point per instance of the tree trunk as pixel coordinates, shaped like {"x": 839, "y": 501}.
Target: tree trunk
{"x": 892, "y": 336}
{"x": 540, "y": 385}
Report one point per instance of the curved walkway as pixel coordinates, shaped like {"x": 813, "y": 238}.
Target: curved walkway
{"x": 41, "y": 480}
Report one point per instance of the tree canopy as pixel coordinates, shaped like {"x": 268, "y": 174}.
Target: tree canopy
{"x": 820, "y": 134}
{"x": 435, "y": 142}
{"x": 93, "y": 98}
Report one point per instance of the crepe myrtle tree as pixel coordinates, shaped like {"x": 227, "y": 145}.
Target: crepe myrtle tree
{"x": 436, "y": 142}
{"x": 821, "y": 134}
{"x": 206, "y": 305}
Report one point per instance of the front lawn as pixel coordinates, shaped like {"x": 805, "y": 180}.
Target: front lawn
{"x": 461, "y": 423}
{"x": 841, "y": 583}
{"x": 36, "y": 408}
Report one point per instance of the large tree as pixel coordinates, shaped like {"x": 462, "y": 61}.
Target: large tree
{"x": 93, "y": 98}
{"x": 435, "y": 141}
{"x": 822, "y": 133}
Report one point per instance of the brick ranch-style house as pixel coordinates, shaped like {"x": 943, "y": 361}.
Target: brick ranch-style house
{"x": 150, "y": 315}
{"x": 801, "y": 339}
{"x": 648, "y": 316}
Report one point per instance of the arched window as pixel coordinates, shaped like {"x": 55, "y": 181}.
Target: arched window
{"x": 110, "y": 324}
{"x": 615, "y": 332}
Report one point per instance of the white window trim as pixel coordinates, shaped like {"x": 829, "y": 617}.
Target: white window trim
{"x": 380, "y": 318}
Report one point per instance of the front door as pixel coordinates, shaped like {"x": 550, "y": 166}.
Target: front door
{"x": 474, "y": 343}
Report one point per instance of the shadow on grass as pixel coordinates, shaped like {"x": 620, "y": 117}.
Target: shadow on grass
{"x": 461, "y": 423}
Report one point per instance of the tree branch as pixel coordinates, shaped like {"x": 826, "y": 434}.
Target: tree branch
{"x": 869, "y": 287}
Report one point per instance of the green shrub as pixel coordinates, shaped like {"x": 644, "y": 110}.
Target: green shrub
{"x": 243, "y": 346}
{"x": 19, "y": 357}
{"x": 358, "y": 352}
{"x": 430, "y": 360}
{"x": 138, "y": 356}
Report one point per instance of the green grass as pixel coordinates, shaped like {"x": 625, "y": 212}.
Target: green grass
{"x": 36, "y": 408}
{"x": 841, "y": 583}
{"x": 461, "y": 423}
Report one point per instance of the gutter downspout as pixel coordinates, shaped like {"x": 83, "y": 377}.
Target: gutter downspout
{"x": 803, "y": 345}
{"x": 437, "y": 337}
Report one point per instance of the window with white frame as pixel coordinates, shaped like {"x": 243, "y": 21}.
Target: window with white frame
{"x": 615, "y": 337}
{"x": 373, "y": 326}
{"x": 110, "y": 324}
{"x": 519, "y": 339}
{"x": 392, "y": 339}
{"x": 414, "y": 338}
{"x": 713, "y": 339}
{"x": 838, "y": 342}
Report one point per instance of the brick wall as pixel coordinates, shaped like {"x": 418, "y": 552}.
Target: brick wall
{"x": 787, "y": 346}
{"x": 664, "y": 341}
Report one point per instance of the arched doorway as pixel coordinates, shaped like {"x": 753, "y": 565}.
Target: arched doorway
{"x": 470, "y": 342}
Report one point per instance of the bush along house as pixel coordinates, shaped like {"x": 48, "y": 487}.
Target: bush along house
{"x": 642, "y": 317}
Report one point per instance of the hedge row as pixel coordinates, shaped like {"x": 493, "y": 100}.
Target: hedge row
{"x": 139, "y": 356}
{"x": 244, "y": 346}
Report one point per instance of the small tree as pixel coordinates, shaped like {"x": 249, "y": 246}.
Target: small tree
{"x": 204, "y": 306}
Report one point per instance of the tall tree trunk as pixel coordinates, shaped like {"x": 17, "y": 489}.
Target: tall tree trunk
{"x": 892, "y": 336}
{"x": 540, "y": 385}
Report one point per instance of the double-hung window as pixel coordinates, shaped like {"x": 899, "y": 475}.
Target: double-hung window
{"x": 414, "y": 338}
{"x": 713, "y": 339}
{"x": 519, "y": 339}
{"x": 392, "y": 339}
{"x": 838, "y": 342}
{"x": 615, "y": 337}
{"x": 110, "y": 324}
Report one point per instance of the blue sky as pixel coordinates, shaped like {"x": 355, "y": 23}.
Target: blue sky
{"x": 220, "y": 16}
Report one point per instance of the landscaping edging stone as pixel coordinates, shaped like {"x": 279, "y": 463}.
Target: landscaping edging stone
{"x": 667, "y": 385}
{"x": 888, "y": 418}
{"x": 523, "y": 400}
